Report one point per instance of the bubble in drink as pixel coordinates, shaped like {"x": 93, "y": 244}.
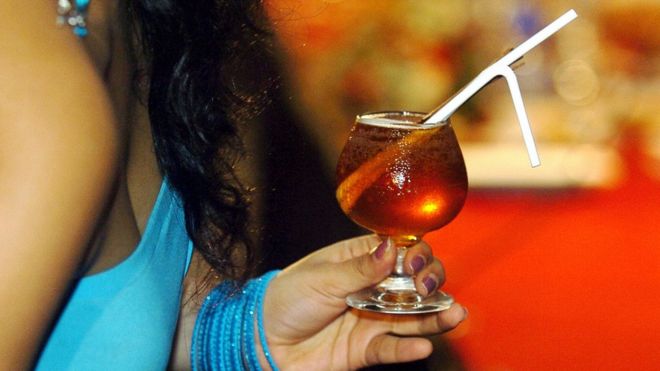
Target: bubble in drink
{"x": 398, "y": 178}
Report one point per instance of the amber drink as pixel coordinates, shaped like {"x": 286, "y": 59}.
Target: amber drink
{"x": 400, "y": 180}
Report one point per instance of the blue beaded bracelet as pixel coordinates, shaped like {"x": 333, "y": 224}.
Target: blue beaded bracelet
{"x": 224, "y": 336}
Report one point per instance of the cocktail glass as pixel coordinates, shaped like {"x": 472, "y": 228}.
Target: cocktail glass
{"x": 401, "y": 180}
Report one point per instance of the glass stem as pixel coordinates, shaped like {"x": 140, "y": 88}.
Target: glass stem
{"x": 400, "y": 257}
{"x": 398, "y": 281}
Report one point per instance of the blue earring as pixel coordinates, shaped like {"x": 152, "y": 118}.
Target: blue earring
{"x": 75, "y": 17}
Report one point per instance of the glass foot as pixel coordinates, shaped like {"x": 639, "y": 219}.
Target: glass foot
{"x": 399, "y": 301}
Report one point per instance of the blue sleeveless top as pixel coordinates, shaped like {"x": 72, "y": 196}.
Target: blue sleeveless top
{"x": 125, "y": 318}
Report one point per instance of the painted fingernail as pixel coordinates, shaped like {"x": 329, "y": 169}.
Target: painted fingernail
{"x": 382, "y": 249}
{"x": 417, "y": 263}
{"x": 429, "y": 283}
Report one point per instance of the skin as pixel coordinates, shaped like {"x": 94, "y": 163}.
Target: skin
{"x": 71, "y": 133}
{"x": 49, "y": 157}
{"x": 310, "y": 326}
{"x": 69, "y": 200}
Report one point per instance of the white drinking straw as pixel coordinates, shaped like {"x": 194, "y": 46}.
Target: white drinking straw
{"x": 502, "y": 68}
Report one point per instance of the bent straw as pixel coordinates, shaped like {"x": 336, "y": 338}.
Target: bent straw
{"x": 502, "y": 68}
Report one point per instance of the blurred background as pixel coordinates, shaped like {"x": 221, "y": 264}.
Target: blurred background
{"x": 558, "y": 265}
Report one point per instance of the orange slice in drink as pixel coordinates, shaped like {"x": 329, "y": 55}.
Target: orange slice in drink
{"x": 350, "y": 190}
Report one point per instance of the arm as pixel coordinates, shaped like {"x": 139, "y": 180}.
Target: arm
{"x": 306, "y": 323}
{"x": 58, "y": 147}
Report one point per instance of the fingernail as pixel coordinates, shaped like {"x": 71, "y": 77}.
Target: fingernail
{"x": 382, "y": 249}
{"x": 417, "y": 263}
{"x": 429, "y": 283}
{"x": 465, "y": 313}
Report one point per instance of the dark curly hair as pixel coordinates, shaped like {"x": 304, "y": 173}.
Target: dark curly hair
{"x": 196, "y": 56}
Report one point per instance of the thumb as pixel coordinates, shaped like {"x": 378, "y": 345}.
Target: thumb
{"x": 364, "y": 271}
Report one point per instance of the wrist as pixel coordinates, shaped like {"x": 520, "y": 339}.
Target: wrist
{"x": 229, "y": 332}
{"x": 264, "y": 356}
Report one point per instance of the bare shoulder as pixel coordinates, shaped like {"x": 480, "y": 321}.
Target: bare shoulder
{"x": 58, "y": 153}
{"x": 56, "y": 118}
{"x": 41, "y": 60}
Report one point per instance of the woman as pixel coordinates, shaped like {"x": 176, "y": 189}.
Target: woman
{"x": 118, "y": 143}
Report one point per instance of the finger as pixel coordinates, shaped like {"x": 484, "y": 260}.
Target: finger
{"x": 429, "y": 324}
{"x": 430, "y": 278}
{"x": 346, "y": 249}
{"x": 392, "y": 349}
{"x": 364, "y": 271}
{"x": 417, "y": 257}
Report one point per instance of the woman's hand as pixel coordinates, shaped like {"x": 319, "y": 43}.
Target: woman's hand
{"x": 309, "y": 326}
